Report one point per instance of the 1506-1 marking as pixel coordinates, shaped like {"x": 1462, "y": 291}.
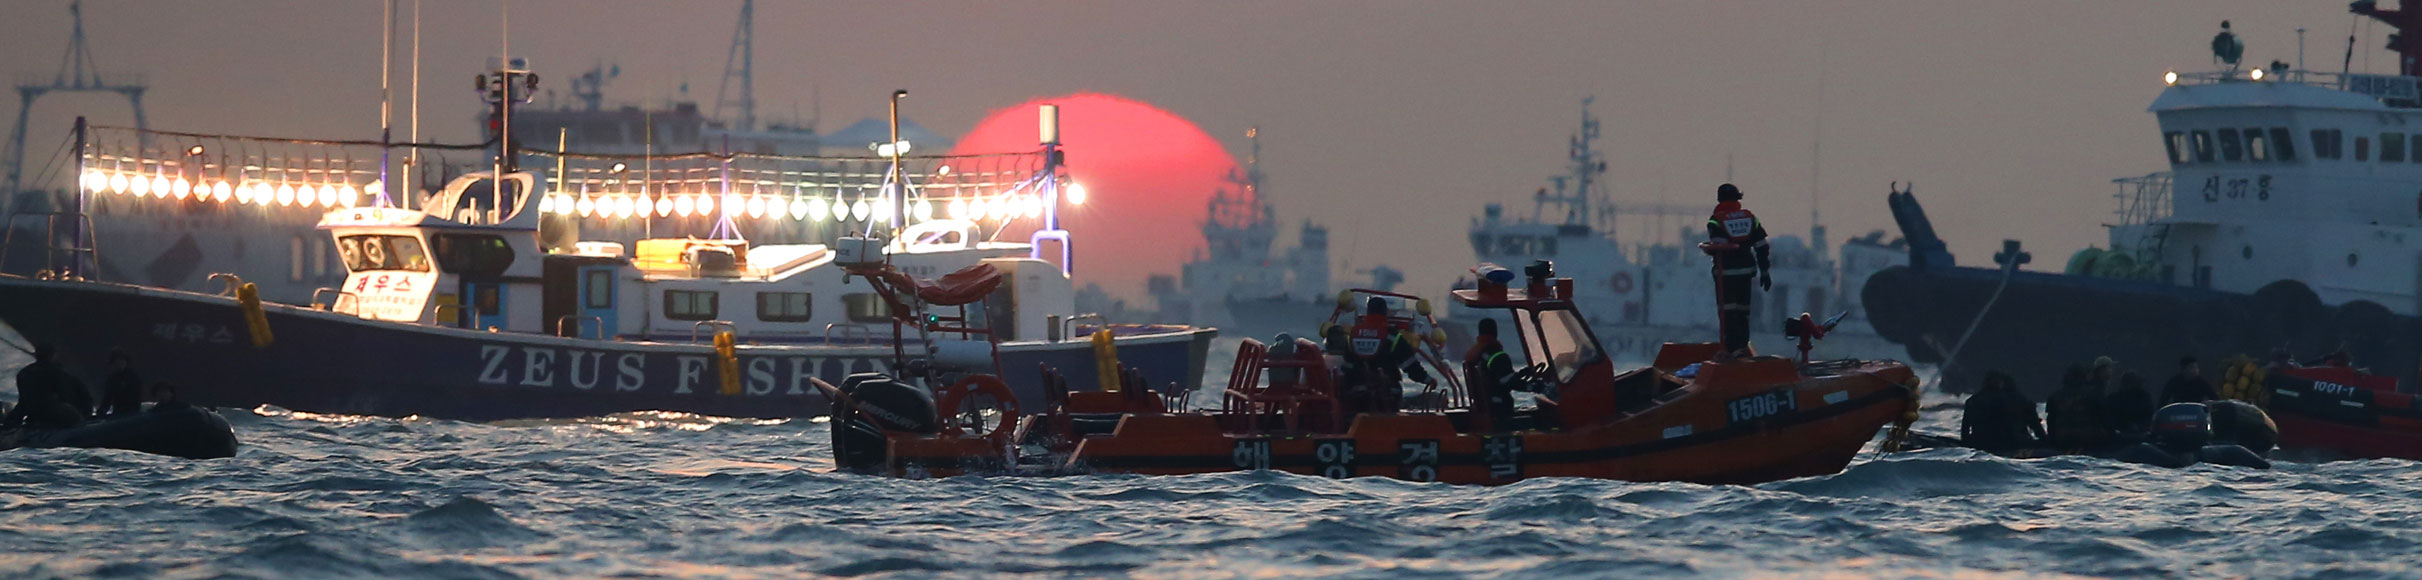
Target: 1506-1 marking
{"x": 1762, "y": 405}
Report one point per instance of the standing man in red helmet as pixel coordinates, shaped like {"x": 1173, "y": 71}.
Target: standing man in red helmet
{"x": 1738, "y": 243}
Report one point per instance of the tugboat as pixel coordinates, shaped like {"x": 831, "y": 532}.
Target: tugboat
{"x": 2287, "y": 219}
{"x": 1285, "y": 408}
{"x": 484, "y": 305}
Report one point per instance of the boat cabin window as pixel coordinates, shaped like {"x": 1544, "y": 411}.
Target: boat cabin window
{"x": 1562, "y": 339}
{"x": 866, "y": 307}
{"x": 783, "y": 307}
{"x": 2230, "y": 148}
{"x": 1514, "y": 246}
{"x": 2203, "y": 146}
{"x": 2282, "y": 147}
{"x": 476, "y": 255}
{"x": 600, "y": 289}
{"x": 366, "y": 252}
{"x": 2257, "y": 146}
{"x": 2329, "y": 144}
{"x": 2392, "y": 147}
{"x": 2363, "y": 149}
{"x": 2176, "y": 142}
{"x": 690, "y": 304}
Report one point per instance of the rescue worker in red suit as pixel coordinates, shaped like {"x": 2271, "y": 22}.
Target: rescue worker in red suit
{"x": 1491, "y": 372}
{"x": 1738, "y": 243}
{"x": 1382, "y": 357}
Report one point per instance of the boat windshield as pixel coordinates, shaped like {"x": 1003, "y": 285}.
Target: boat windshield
{"x": 382, "y": 252}
{"x": 1560, "y": 338}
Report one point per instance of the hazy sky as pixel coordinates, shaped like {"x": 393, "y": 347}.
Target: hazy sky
{"x": 1393, "y": 121}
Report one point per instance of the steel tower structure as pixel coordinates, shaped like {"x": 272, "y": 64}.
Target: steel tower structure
{"x": 77, "y": 74}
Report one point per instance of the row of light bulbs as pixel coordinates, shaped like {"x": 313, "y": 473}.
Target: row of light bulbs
{"x": 223, "y": 191}
{"x": 1000, "y": 208}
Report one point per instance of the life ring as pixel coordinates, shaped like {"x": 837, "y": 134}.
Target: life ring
{"x": 1621, "y": 283}
{"x": 1004, "y": 400}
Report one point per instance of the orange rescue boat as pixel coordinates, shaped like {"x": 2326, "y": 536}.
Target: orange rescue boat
{"x": 1684, "y": 418}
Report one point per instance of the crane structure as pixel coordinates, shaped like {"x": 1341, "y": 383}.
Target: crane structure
{"x": 77, "y": 74}
{"x": 736, "y": 66}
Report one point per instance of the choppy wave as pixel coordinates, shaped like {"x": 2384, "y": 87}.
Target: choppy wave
{"x": 673, "y": 495}
{"x": 657, "y": 494}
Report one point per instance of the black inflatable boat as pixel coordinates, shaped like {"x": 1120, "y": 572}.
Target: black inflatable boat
{"x": 187, "y": 432}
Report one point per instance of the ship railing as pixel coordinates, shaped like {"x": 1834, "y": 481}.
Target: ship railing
{"x": 581, "y": 330}
{"x": 863, "y": 333}
{"x": 712, "y": 327}
{"x": 232, "y": 282}
{"x": 81, "y": 250}
{"x": 446, "y": 314}
{"x": 1068, "y": 326}
{"x": 2384, "y": 87}
{"x": 2143, "y": 199}
{"x": 343, "y": 303}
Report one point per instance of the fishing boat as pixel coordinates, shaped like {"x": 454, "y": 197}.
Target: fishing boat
{"x": 484, "y": 303}
{"x": 1287, "y": 407}
{"x": 2286, "y": 219}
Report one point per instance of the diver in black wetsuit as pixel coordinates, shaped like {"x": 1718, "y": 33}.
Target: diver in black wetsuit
{"x": 122, "y": 392}
{"x": 2188, "y": 386}
{"x": 1999, "y": 418}
{"x": 2074, "y": 414}
{"x": 46, "y": 396}
{"x": 2129, "y": 407}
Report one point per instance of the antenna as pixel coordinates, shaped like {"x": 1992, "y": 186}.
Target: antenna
{"x": 736, "y": 64}
{"x": 77, "y": 74}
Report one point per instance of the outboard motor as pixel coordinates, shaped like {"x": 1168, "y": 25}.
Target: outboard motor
{"x": 880, "y": 405}
{"x": 2183, "y": 434}
{"x": 2182, "y": 427}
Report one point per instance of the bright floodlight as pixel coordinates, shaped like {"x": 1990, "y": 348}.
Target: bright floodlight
{"x": 683, "y": 204}
{"x": 180, "y": 187}
{"x": 1033, "y": 206}
{"x": 958, "y": 209}
{"x": 923, "y": 210}
{"x": 2257, "y": 74}
{"x": 117, "y": 183}
{"x": 347, "y": 196}
{"x": 1076, "y": 193}
{"x": 221, "y": 191}
{"x": 327, "y": 196}
{"x": 2169, "y": 78}
{"x": 706, "y": 205}
{"x": 816, "y": 209}
{"x": 95, "y": 181}
{"x": 159, "y": 186}
{"x": 840, "y": 209}
{"x": 194, "y": 150}
{"x": 285, "y": 194}
{"x": 618, "y": 167}
{"x": 798, "y": 209}
{"x": 664, "y": 206}
{"x": 585, "y": 206}
{"x": 624, "y": 207}
{"x": 756, "y": 207}
{"x": 546, "y": 204}
{"x": 138, "y": 186}
{"x": 859, "y": 211}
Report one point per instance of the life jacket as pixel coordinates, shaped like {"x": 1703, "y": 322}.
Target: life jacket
{"x": 1735, "y": 221}
{"x": 1371, "y": 334}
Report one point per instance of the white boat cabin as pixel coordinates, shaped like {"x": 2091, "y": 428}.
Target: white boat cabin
{"x": 477, "y": 258}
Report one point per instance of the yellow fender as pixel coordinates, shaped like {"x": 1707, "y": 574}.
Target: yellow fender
{"x": 248, "y": 297}
{"x": 1105, "y": 359}
{"x": 727, "y": 361}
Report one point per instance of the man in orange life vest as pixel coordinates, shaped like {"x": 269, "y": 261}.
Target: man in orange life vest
{"x": 1384, "y": 357}
{"x": 1738, "y": 243}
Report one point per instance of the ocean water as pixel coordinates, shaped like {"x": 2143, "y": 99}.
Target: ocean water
{"x": 657, "y": 495}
